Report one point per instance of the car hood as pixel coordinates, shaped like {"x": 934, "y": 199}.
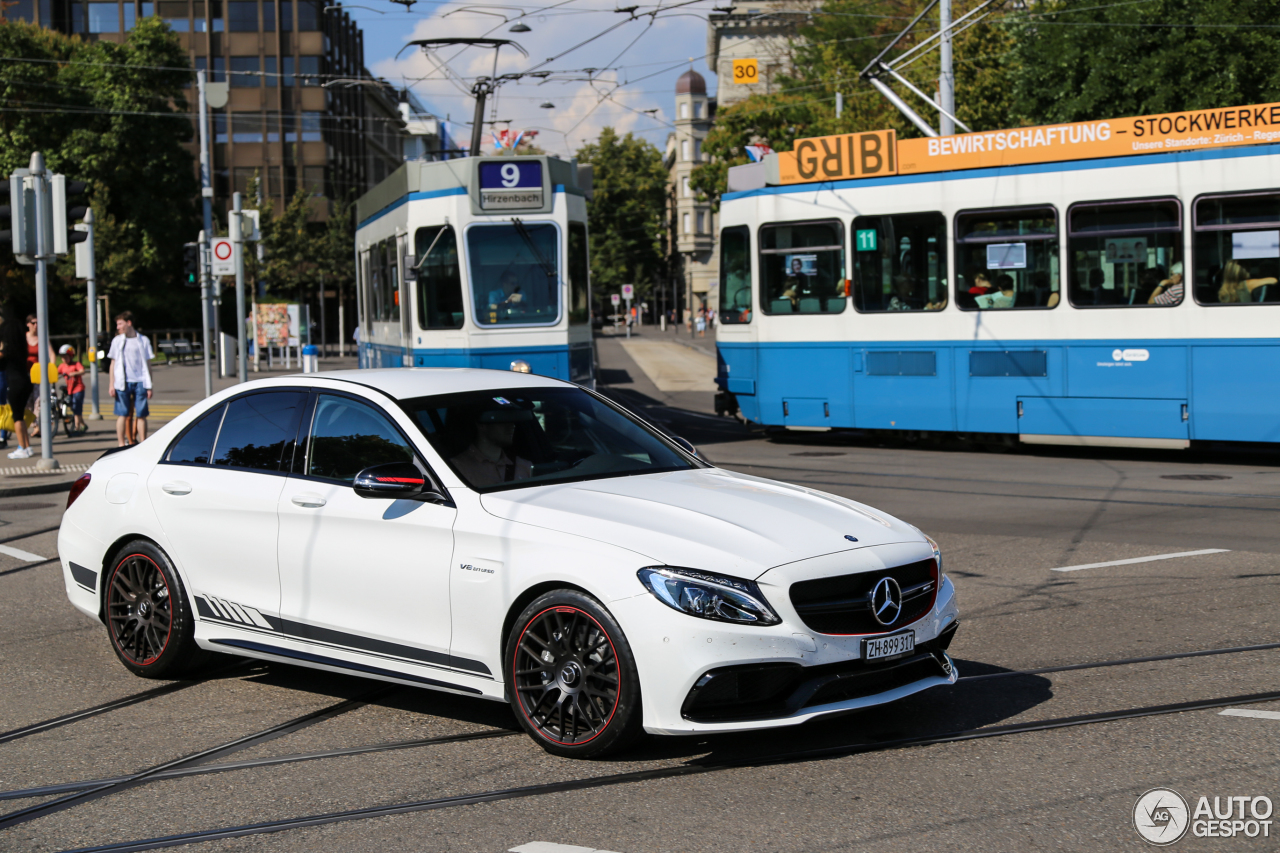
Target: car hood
{"x": 710, "y": 518}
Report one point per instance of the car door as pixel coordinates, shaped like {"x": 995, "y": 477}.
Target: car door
{"x": 366, "y": 574}
{"x": 215, "y": 495}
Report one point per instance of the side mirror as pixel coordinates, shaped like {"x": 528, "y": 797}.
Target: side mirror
{"x": 394, "y": 480}
{"x": 686, "y": 445}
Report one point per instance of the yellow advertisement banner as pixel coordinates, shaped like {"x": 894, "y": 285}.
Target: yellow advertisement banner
{"x": 819, "y": 160}
{"x": 839, "y": 158}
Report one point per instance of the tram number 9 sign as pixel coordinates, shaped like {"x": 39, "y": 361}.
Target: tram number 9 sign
{"x": 510, "y": 184}
{"x": 746, "y": 71}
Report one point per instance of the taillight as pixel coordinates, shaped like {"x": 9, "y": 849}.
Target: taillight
{"x": 77, "y": 487}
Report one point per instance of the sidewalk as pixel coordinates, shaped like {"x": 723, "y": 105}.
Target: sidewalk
{"x": 177, "y": 387}
{"x": 673, "y": 334}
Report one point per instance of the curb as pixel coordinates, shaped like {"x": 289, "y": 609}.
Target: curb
{"x": 38, "y": 489}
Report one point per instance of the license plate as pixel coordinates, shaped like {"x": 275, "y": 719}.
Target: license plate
{"x": 892, "y": 646}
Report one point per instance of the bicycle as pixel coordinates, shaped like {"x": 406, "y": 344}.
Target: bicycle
{"x": 62, "y": 409}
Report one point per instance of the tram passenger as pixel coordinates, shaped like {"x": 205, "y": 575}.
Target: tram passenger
{"x": 507, "y": 292}
{"x": 981, "y": 284}
{"x": 1169, "y": 291}
{"x": 1236, "y": 284}
{"x": 1004, "y": 297}
{"x": 938, "y": 304}
{"x": 903, "y": 299}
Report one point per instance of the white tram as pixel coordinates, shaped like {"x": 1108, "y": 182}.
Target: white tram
{"x": 477, "y": 262}
{"x": 1122, "y": 295}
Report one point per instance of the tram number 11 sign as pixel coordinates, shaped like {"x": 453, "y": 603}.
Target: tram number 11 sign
{"x": 510, "y": 184}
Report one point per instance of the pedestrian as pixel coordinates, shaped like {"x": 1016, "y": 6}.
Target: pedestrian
{"x": 131, "y": 378}
{"x": 73, "y": 372}
{"x": 702, "y": 323}
{"x": 18, "y": 380}
{"x": 33, "y": 374}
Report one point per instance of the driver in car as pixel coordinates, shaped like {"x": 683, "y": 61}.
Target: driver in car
{"x": 490, "y": 459}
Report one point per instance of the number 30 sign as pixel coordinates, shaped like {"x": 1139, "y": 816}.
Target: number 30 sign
{"x": 746, "y": 71}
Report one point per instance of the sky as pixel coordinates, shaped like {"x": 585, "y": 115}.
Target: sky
{"x": 645, "y": 54}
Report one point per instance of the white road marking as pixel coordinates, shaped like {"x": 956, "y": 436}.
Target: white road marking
{"x": 21, "y": 554}
{"x": 552, "y": 847}
{"x": 1257, "y": 715}
{"x": 1142, "y": 559}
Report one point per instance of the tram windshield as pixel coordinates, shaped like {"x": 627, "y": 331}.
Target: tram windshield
{"x": 515, "y": 273}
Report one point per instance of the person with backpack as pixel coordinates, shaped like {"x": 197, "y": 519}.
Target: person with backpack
{"x": 131, "y": 378}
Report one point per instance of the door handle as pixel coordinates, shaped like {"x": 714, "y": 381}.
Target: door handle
{"x": 177, "y": 488}
{"x": 310, "y": 501}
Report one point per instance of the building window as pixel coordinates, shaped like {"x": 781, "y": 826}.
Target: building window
{"x": 242, "y": 16}
{"x": 308, "y": 16}
{"x": 697, "y": 150}
{"x": 269, "y": 69}
{"x": 273, "y": 131}
{"x": 697, "y": 109}
{"x": 313, "y": 179}
{"x": 129, "y": 16}
{"x": 684, "y": 110}
{"x": 268, "y": 17}
{"x": 148, "y": 9}
{"x": 246, "y": 127}
{"x": 684, "y": 149}
{"x": 308, "y": 71}
{"x": 245, "y": 72}
{"x": 104, "y": 18}
{"x": 701, "y": 222}
{"x": 684, "y": 186}
{"x": 685, "y": 223}
{"x": 311, "y": 127}
{"x": 220, "y": 127}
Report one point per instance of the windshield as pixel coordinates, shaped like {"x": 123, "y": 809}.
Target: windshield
{"x": 514, "y": 438}
{"x": 515, "y": 278}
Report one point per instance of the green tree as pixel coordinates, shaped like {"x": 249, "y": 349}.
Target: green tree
{"x": 625, "y": 216}
{"x": 113, "y": 115}
{"x": 1080, "y": 60}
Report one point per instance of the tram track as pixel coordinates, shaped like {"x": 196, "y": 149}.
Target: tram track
{"x": 142, "y": 777}
{"x": 662, "y": 773}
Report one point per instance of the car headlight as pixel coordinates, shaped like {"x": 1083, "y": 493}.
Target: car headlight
{"x": 937, "y": 552}
{"x": 709, "y": 596}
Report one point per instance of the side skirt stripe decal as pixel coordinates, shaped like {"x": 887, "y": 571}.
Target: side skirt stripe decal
{"x": 341, "y": 664}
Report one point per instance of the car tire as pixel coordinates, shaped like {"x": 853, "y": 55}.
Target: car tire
{"x": 149, "y": 619}
{"x": 571, "y": 676}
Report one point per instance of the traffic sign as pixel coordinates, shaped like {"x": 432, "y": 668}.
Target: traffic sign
{"x": 222, "y": 254}
{"x": 746, "y": 71}
{"x": 628, "y": 292}
{"x": 615, "y": 299}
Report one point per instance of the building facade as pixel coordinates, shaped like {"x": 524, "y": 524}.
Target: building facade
{"x": 692, "y": 221}
{"x": 762, "y": 30}
{"x": 301, "y": 110}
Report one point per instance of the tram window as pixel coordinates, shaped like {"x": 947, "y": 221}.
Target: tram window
{"x": 1125, "y": 254}
{"x": 802, "y": 267}
{"x": 1237, "y": 249}
{"x": 900, "y": 262}
{"x": 439, "y": 278}
{"x": 579, "y": 283}
{"x": 515, "y": 278}
{"x": 735, "y": 276}
{"x": 384, "y": 283}
{"x": 1007, "y": 259}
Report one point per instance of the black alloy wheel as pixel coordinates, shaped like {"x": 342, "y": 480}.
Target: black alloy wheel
{"x": 148, "y": 619}
{"x": 572, "y": 677}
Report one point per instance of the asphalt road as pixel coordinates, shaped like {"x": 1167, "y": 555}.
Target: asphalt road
{"x": 1080, "y": 689}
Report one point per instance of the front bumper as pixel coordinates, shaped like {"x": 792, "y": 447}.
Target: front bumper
{"x": 823, "y": 674}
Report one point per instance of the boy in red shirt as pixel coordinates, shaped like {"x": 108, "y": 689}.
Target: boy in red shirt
{"x": 73, "y": 371}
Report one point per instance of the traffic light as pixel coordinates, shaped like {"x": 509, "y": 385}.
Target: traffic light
{"x": 17, "y": 217}
{"x": 69, "y": 206}
{"x": 191, "y": 264}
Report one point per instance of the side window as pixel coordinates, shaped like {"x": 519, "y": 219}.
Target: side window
{"x": 802, "y": 268}
{"x": 579, "y": 283}
{"x": 735, "y": 276}
{"x": 195, "y": 445}
{"x": 1125, "y": 254}
{"x": 259, "y": 430}
{"x": 439, "y": 278}
{"x": 1237, "y": 249}
{"x": 900, "y": 262}
{"x": 348, "y": 436}
{"x": 1007, "y": 259}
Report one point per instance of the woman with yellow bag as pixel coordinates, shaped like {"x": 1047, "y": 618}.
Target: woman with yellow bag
{"x": 22, "y": 352}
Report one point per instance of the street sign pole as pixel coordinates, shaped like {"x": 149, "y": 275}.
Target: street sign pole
{"x": 237, "y": 243}
{"x": 44, "y": 251}
{"x": 628, "y": 291}
{"x": 204, "y": 312}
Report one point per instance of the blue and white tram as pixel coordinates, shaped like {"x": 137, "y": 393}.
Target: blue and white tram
{"x": 1043, "y": 301}
{"x": 478, "y": 262}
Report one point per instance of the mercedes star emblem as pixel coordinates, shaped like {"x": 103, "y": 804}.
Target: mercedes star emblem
{"x": 886, "y": 601}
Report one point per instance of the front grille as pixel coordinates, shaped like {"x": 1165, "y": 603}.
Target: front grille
{"x": 842, "y": 605}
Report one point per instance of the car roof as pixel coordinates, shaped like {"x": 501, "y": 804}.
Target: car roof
{"x": 404, "y": 383}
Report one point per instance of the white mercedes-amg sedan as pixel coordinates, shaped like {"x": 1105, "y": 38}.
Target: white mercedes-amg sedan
{"x": 503, "y": 536}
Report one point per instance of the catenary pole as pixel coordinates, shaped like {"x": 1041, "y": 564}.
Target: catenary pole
{"x": 946, "y": 80}
{"x": 91, "y": 300}
{"x": 44, "y": 221}
{"x": 206, "y": 247}
{"x": 204, "y": 311}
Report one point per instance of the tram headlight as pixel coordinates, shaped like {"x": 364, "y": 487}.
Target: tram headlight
{"x": 521, "y": 366}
